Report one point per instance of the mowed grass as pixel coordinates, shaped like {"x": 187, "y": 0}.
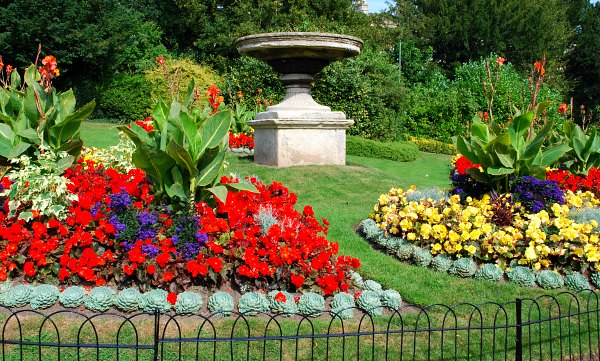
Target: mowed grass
{"x": 344, "y": 195}
{"x": 99, "y": 135}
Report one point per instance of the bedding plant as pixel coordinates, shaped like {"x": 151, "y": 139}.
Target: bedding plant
{"x": 161, "y": 221}
{"x": 523, "y": 197}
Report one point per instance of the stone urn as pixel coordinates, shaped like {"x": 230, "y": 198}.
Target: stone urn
{"x": 299, "y": 131}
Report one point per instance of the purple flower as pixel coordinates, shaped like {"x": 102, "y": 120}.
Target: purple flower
{"x": 202, "y": 237}
{"x": 118, "y": 226}
{"x": 95, "y": 209}
{"x": 146, "y": 219}
{"x": 174, "y": 239}
{"x": 120, "y": 202}
{"x": 190, "y": 250}
{"x": 145, "y": 232}
{"x": 150, "y": 250}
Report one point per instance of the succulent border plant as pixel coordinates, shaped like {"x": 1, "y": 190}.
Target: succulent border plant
{"x": 391, "y": 299}
{"x": 523, "y": 276}
{"x": 188, "y": 302}
{"x": 73, "y": 296}
{"x": 282, "y": 302}
{"x": 221, "y": 303}
{"x": 100, "y": 299}
{"x": 253, "y": 303}
{"x": 128, "y": 300}
{"x": 441, "y": 263}
{"x": 489, "y": 272}
{"x": 577, "y": 282}
{"x": 422, "y": 257}
{"x": 18, "y": 296}
{"x": 370, "y": 302}
{"x": 44, "y": 296}
{"x": 463, "y": 267}
{"x": 549, "y": 279}
{"x": 311, "y": 304}
{"x": 154, "y": 300}
{"x": 343, "y": 305}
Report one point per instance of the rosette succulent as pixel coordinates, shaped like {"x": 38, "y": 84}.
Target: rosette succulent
{"x": 220, "y": 303}
{"x": 18, "y": 296}
{"x": 188, "y": 302}
{"x": 577, "y": 282}
{"x": 44, "y": 296}
{"x": 394, "y": 243}
{"x": 549, "y": 279}
{"x": 282, "y": 302}
{"x": 369, "y": 228}
{"x": 441, "y": 263}
{"x": 422, "y": 257}
{"x": 72, "y": 296}
{"x": 523, "y": 276}
{"x": 370, "y": 302}
{"x": 489, "y": 272}
{"x": 154, "y": 300}
{"x": 343, "y": 305}
{"x": 463, "y": 267}
{"x": 128, "y": 300}
{"x": 357, "y": 279}
{"x": 4, "y": 287}
{"x": 595, "y": 279}
{"x": 100, "y": 299}
{"x": 405, "y": 251}
{"x": 374, "y": 286}
{"x": 253, "y": 303}
{"x": 311, "y": 304}
{"x": 391, "y": 299}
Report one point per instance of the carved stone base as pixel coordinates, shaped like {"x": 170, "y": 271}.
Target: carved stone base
{"x": 285, "y": 143}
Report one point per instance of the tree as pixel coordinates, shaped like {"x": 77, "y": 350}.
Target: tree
{"x": 583, "y": 67}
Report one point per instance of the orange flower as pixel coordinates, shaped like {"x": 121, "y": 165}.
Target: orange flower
{"x": 213, "y": 98}
{"x": 49, "y": 62}
{"x": 500, "y": 60}
{"x": 1, "y": 63}
{"x": 161, "y": 60}
{"x": 9, "y": 69}
{"x": 563, "y": 109}
{"x": 540, "y": 69}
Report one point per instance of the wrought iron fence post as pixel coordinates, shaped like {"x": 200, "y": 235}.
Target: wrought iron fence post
{"x": 519, "y": 331}
{"x": 156, "y": 333}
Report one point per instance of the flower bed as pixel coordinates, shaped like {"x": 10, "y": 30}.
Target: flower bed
{"x": 538, "y": 228}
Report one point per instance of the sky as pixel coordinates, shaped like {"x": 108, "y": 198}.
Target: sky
{"x": 376, "y": 6}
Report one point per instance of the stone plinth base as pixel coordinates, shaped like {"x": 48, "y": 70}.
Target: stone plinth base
{"x": 285, "y": 143}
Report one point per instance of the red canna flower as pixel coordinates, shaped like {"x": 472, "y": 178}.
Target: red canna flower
{"x": 500, "y": 60}
{"x": 563, "y": 109}
{"x": 161, "y": 60}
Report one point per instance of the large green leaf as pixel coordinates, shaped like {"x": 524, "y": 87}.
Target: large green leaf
{"x": 66, "y": 128}
{"x": 517, "y": 129}
{"x": 465, "y": 149}
{"x": 155, "y": 162}
{"x": 182, "y": 158}
{"x": 6, "y": 140}
{"x": 189, "y": 128}
{"x": 550, "y": 155}
{"x": 160, "y": 113}
{"x": 220, "y": 192}
{"x": 481, "y": 131}
{"x": 500, "y": 170}
{"x": 533, "y": 147}
{"x": 210, "y": 167}
{"x": 506, "y": 160}
{"x": 243, "y": 187}
{"x": 137, "y": 134}
{"x": 213, "y": 130}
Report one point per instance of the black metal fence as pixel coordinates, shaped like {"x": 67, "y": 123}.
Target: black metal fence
{"x": 564, "y": 326}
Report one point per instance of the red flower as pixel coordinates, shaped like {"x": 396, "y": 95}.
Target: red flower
{"x": 150, "y": 269}
{"x": 297, "y": 281}
{"x": 29, "y": 269}
{"x": 563, "y": 109}
{"x": 161, "y": 60}
{"x": 280, "y": 297}
{"x": 500, "y": 60}
{"x": 462, "y": 164}
{"x": 168, "y": 276}
{"x": 213, "y": 97}
{"x": 172, "y": 298}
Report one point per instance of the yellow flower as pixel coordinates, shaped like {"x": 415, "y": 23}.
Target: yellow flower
{"x": 411, "y": 236}
{"x": 530, "y": 254}
{"x": 471, "y": 249}
{"x": 436, "y": 248}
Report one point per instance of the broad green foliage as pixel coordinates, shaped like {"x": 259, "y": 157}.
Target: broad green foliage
{"x": 185, "y": 153}
{"x": 585, "y": 149}
{"x": 516, "y": 150}
{"x": 32, "y": 116}
{"x": 241, "y": 116}
{"x": 40, "y": 187}
{"x": 398, "y": 151}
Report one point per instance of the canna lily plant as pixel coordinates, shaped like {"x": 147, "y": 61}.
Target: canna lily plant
{"x": 184, "y": 151}
{"x": 517, "y": 150}
{"x": 34, "y": 116}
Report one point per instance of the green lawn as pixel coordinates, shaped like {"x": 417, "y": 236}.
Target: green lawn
{"x": 99, "y": 135}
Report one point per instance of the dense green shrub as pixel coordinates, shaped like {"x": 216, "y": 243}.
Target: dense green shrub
{"x": 182, "y": 71}
{"x": 367, "y": 90}
{"x": 442, "y": 108}
{"x": 248, "y": 75}
{"x": 432, "y": 146}
{"x": 398, "y": 151}
{"x": 125, "y": 96}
